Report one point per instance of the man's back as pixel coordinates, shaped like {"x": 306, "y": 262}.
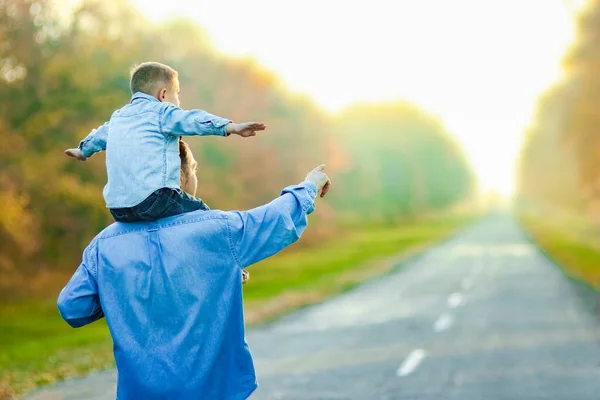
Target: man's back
{"x": 172, "y": 295}
{"x": 178, "y": 292}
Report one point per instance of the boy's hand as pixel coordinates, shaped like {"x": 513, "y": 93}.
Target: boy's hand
{"x": 245, "y": 276}
{"x": 245, "y": 129}
{"x": 320, "y": 179}
{"x": 76, "y": 154}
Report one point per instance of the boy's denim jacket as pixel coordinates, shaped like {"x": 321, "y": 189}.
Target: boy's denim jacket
{"x": 142, "y": 149}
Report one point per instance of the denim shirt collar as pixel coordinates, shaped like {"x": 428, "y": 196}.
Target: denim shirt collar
{"x": 141, "y": 95}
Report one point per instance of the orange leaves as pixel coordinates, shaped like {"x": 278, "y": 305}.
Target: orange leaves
{"x": 17, "y": 224}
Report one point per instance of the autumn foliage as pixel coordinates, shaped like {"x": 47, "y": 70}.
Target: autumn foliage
{"x": 559, "y": 165}
{"x": 63, "y": 72}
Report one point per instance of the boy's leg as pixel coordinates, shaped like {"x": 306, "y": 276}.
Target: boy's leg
{"x": 160, "y": 204}
{"x": 191, "y": 203}
{"x": 124, "y": 215}
{"x": 169, "y": 202}
{"x": 145, "y": 211}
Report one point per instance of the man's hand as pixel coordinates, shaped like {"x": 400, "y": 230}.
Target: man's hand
{"x": 320, "y": 179}
{"x": 245, "y": 129}
{"x": 76, "y": 154}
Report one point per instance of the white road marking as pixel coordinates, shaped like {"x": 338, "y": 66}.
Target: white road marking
{"x": 444, "y": 322}
{"x": 411, "y": 363}
{"x": 455, "y": 300}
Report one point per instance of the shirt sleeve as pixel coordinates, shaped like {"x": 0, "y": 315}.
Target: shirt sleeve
{"x": 78, "y": 302}
{"x": 264, "y": 231}
{"x": 95, "y": 141}
{"x": 178, "y": 122}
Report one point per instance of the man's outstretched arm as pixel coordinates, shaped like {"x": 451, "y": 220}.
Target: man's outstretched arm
{"x": 78, "y": 302}
{"x": 264, "y": 231}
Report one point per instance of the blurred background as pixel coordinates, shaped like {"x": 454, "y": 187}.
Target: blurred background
{"x": 427, "y": 113}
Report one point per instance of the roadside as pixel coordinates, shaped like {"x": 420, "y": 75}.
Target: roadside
{"x": 571, "y": 243}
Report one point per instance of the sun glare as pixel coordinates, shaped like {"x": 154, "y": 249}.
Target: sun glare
{"x": 479, "y": 65}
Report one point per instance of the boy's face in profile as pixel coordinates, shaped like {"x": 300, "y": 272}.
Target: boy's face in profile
{"x": 172, "y": 93}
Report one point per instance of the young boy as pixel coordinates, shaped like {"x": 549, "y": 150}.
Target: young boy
{"x": 142, "y": 147}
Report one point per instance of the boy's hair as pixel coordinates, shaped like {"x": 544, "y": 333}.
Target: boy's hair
{"x": 147, "y": 76}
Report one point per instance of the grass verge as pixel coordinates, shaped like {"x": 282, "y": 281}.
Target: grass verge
{"x": 570, "y": 244}
{"x": 38, "y": 348}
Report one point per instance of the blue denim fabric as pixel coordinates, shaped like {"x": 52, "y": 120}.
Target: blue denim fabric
{"x": 171, "y": 292}
{"x": 162, "y": 203}
{"x": 142, "y": 150}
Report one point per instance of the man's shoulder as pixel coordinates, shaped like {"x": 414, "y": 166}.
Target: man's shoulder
{"x": 194, "y": 217}
{"x": 124, "y": 228}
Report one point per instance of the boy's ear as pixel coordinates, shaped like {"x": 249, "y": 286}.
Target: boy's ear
{"x": 162, "y": 94}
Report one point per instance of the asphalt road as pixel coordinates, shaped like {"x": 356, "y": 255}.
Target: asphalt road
{"x": 482, "y": 316}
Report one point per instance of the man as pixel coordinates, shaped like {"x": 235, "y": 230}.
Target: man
{"x": 171, "y": 292}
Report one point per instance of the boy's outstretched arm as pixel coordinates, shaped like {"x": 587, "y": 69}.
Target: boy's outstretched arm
{"x": 92, "y": 144}
{"x": 178, "y": 122}
{"x": 245, "y": 129}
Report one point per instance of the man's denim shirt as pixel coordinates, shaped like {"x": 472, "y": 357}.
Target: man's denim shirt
{"x": 142, "y": 150}
{"x": 171, "y": 292}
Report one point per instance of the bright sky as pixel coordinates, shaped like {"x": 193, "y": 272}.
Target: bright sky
{"x": 478, "y": 64}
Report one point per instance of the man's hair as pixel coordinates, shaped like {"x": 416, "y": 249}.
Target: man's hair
{"x": 185, "y": 155}
{"x": 146, "y": 77}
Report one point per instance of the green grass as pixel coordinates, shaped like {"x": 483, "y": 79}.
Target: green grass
{"x": 571, "y": 244}
{"x": 37, "y": 347}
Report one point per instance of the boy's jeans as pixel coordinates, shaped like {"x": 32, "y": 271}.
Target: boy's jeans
{"x": 162, "y": 203}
